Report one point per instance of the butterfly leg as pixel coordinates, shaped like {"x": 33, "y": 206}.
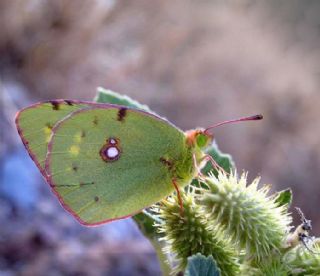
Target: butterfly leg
{"x": 199, "y": 173}
{"x": 214, "y": 164}
{"x": 174, "y": 182}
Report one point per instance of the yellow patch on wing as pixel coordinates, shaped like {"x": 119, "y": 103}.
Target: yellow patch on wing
{"x": 74, "y": 150}
{"x": 77, "y": 138}
{"x": 47, "y": 132}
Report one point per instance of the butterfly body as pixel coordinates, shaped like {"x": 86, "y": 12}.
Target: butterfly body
{"x": 106, "y": 162}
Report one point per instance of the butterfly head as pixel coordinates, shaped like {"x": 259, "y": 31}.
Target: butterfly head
{"x": 202, "y": 138}
{"x": 199, "y": 138}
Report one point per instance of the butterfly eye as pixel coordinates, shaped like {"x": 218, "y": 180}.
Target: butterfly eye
{"x": 203, "y": 140}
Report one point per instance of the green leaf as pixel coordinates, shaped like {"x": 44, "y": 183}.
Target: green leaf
{"x": 224, "y": 160}
{"x": 283, "y": 198}
{"x": 145, "y": 223}
{"x": 199, "y": 265}
{"x": 108, "y": 96}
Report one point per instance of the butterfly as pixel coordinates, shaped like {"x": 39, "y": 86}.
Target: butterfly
{"x": 106, "y": 162}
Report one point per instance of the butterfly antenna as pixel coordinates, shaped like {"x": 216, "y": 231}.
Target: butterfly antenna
{"x": 250, "y": 118}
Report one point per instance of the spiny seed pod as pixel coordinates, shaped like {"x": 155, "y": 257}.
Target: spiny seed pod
{"x": 303, "y": 260}
{"x": 247, "y": 270}
{"x": 246, "y": 214}
{"x": 271, "y": 265}
{"x": 185, "y": 232}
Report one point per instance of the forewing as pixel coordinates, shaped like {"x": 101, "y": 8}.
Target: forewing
{"x": 35, "y": 124}
{"x": 97, "y": 190}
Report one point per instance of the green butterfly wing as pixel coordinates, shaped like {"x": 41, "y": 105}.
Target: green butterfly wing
{"x": 98, "y": 186}
{"x": 35, "y": 124}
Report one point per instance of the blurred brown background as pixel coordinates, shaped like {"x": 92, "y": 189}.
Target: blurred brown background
{"x": 195, "y": 62}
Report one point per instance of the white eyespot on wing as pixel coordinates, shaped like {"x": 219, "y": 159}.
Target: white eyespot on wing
{"x": 112, "y": 141}
{"x": 112, "y": 152}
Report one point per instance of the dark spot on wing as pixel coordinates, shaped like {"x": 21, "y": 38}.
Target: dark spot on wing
{"x": 48, "y": 125}
{"x": 122, "y": 113}
{"x": 96, "y": 198}
{"x": 74, "y": 167}
{"x": 166, "y": 162}
{"x": 70, "y": 185}
{"x": 86, "y": 183}
{"x": 55, "y": 105}
{"x": 81, "y": 184}
{"x": 95, "y": 120}
{"x": 63, "y": 185}
{"x": 68, "y": 102}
